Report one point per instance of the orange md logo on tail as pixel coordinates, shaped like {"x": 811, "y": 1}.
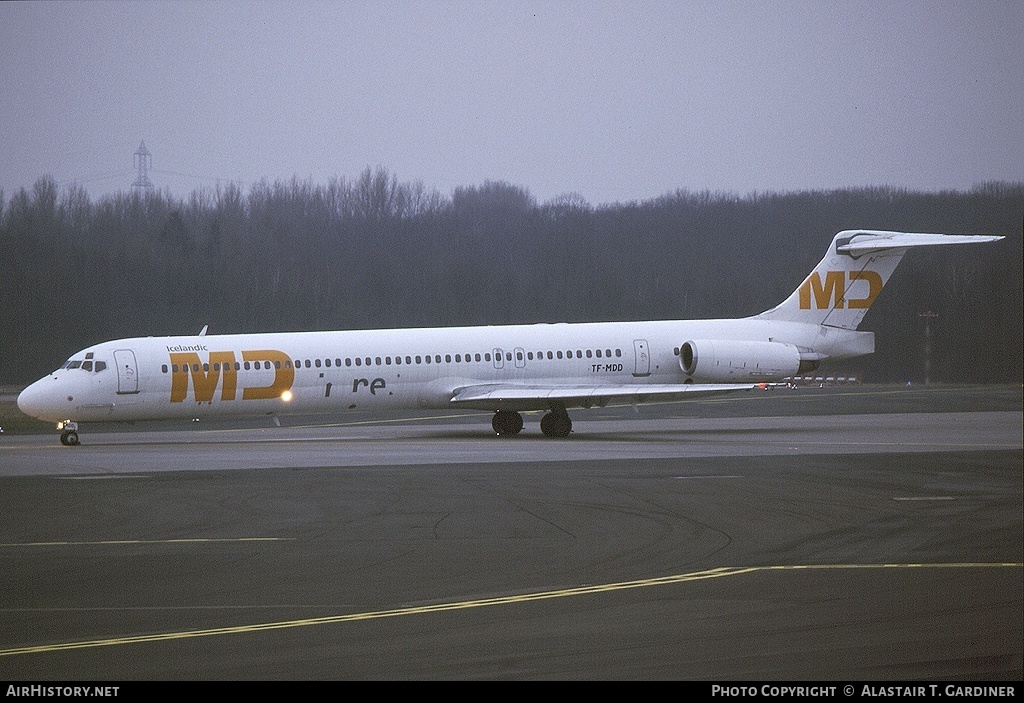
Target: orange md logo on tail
{"x": 834, "y": 288}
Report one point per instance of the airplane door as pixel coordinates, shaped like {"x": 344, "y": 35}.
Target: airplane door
{"x": 499, "y": 359}
{"x": 643, "y": 358}
{"x": 127, "y": 371}
{"x": 520, "y": 358}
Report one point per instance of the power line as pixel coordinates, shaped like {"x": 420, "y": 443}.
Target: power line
{"x": 216, "y": 179}
{"x": 93, "y": 177}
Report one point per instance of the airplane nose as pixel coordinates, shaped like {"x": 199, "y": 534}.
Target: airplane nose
{"x": 38, "y": 399}
{"x": 28, "y": 400}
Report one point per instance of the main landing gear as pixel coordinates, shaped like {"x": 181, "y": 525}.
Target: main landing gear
{"x": 508, "y": 423}
{"x": 556, "y": 423}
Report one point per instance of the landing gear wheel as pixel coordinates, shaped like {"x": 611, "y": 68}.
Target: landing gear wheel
{"x": 556, "y": 424}
{"x": 69, "y": 438}
{"x": 507, "y": 423}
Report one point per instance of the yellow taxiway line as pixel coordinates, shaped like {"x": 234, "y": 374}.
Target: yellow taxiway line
{"x": 474, "y": 603}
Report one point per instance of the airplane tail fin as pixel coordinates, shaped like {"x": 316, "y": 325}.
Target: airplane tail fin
{"x": 841, "y": 288}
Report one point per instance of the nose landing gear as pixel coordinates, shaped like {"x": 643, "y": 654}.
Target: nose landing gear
{"x": 69, "y": 435}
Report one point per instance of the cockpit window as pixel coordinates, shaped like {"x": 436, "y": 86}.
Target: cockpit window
{"x": 87, "y": 365}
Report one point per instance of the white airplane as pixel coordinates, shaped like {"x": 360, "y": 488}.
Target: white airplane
{"x": 503, "y": 369}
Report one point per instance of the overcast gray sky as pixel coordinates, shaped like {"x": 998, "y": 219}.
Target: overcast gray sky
{"x": 615, "y": 100}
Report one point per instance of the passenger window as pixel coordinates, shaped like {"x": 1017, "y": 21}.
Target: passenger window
{"x": 487, "y": 356}
{"x": 519, "y": 356}
{"x": 558, "y": 354}
{"x": 317, "y": 363}
{"x": 417, "y": 359}
{"x": 359, "y": 361}
{"x": 348, "y": 361}
{"x": 447, "y": 358}
{"x": 478, "y": 356}
{"x": 377, "y": 359}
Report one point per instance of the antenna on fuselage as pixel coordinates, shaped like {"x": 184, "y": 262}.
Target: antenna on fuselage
{"x": 202, "y": 332}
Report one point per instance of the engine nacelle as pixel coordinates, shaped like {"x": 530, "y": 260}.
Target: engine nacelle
{"x": 726, "y": 361}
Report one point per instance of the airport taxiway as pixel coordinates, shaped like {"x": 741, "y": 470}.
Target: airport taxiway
{"x": 859, "y": 534}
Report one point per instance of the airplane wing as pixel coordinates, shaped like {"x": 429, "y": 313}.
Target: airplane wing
{"x": 537, "y": 397}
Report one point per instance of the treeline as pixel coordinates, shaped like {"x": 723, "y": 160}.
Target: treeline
{"x": 375, "y": 252}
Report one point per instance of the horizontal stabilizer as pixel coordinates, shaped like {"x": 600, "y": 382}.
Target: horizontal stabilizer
{"x": 866, "y": 241}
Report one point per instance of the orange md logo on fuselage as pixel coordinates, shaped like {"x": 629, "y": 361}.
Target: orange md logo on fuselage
{"x": 834, "y": 288}
{"x": 206, "y": 375}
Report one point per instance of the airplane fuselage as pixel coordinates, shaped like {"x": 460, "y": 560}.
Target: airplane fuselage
{"x": 324, "y": 372}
